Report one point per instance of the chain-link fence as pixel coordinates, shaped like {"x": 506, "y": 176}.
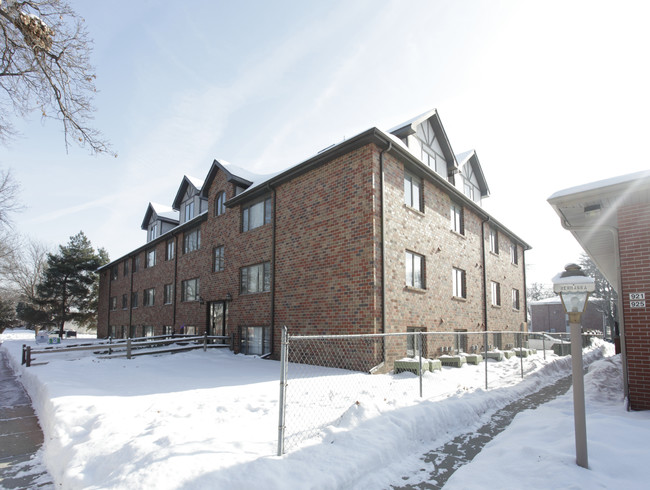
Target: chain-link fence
{"x": 324, "y": 377}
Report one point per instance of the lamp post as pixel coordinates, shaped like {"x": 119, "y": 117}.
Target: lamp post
{"x": 574, "y": 287}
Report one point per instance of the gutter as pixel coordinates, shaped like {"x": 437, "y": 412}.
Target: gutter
{"x": 273, "y": 235}
{"x": 383, "y": 245}
{"x": 484, "y": 260}
{"x": 621, "y": 317}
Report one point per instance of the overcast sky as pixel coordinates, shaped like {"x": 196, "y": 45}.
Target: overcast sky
{"x": 550, "y": 94}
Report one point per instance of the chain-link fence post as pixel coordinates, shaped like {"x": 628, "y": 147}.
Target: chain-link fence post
{"x": 284, "y": 351}
{"x": 521, "y": 350}
{"x": 485, "y": 350}
{"x": 544, "y": 343}
{"x": 420, "y": 338}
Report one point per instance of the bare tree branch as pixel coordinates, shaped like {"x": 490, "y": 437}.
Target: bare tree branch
{"x": 45, "y": 65}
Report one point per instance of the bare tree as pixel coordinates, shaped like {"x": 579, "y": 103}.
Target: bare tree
{"x": 44, "y": 65}
{"x": 26, "y": 268}
{"x": 9, "y": 202}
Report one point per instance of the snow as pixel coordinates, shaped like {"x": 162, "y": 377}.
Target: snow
{"x": 601, "y": 184}
{"x": 164, "y": 211}
{"x": 210, "y": 420}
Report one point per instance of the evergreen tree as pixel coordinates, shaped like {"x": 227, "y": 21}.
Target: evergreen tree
{"x": 68, "y": 289}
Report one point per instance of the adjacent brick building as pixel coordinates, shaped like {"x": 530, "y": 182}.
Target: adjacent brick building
{"x": 548, "y": 315}
{"x": 611, "y": 221}
{"x": 383, "y": 232}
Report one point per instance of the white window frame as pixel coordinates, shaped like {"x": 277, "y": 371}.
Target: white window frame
{"x": 220, "y": 204}
{"x": 256, "y": 278}
{"x": 256, "y": 340}
{"x": 459, "y": 283}
{"x": 219, "y": 259}
{"x": 514, "y": 254}
{"x": 170, "y": 249}
{"x": 257, "y": 214}
{"x": 414, "y": 270}
{"x": 457, "y": 218}
{"x": 190, "y": 290}
{"x": 149, "y": 297}
{"x": 495, "y": 289}
{"x": 515, "y": 299}
{"x": 189, "y": 210}
{"x": 494, "y": 241}
{"x": 150, "y": 258}
{"x": 168, "y": 294}
{"x": 413, "y": 191}
{"x": 191, "y": 240}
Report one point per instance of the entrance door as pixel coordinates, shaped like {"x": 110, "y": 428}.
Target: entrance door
{"x": 217, "y": 318}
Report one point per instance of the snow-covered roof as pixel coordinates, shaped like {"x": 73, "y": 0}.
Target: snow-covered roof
{"x": 162, "y": 212}
{"x": 462, "y": 158}
{"x": 599, "y": 185}
{"x": 196, "y": 182}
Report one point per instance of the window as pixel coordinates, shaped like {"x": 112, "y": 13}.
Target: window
{"x": 148, "y": 330}
{"x": 514, "y": 256}
{"x": 136, "y": 263}
{"x": 134, "y": 331}
{"x": 413, "y": 342}
{"x": 220, "y": 204}
{"x": 515, "y": 299}
{"x": 219, "y": 260}
{"x": 170, "y": 249}
{"x": 189, "y": 210}
{"x": 457, "y": 220}
{"x": 134, "y": 299}
{"x": 149, "y": 297}
{"x": 458, "y": 281}
{"x": 113, "y": 302}
{"x": 414, "y": 270}
{"x": 494, "y": 241}
{"x": 168, "y": 330}
{"x": 496, "y": 293}
{"x": 126, "y": 267}
{"x": 189, "y": 330}
{"x": 113, "y": 273}
{"x": 125, "y": 301}
{"x": 168, "y": 294}
{"x": 124, "y": 331}
{"x": 256, "y": 278}
{"x": 153, "y": 231}
{"x": 112, "y": 331}
{"x": 191, "y": 240}
{"x": 256, "y": 214}
{"x": 413, "y": 192}
{"x": 255, "y": 340}
{"x": 190, "y": 290}
{"x": 150, "y": 258}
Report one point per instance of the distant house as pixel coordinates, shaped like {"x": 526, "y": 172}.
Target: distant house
{"x": 381, "y": 233}
{"x": 611, "y": 221}
{"x": 548, "y": 315}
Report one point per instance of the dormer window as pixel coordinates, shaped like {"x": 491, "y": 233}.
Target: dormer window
{"x": 220, "y": 204}
{"x": 470, "y": 183}
{"x": 153, "y": 231}
{"x": 189, "y": 210}
{"x": 430, "y": 151}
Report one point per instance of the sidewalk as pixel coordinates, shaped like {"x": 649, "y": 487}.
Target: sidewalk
{"x": 438, "y": 465}
{"x": 20, "y": 435}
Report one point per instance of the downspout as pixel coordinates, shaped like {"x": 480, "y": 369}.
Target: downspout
{"x": 383, "y": 245}
{"x": 621, "y": 320}
{"x": 130, "y": 296}
{"x": 273, "y": 230}
{"x": 523, "y": 264}
{"x": 483, "y": 258}
{"x": 110, "y": 283}
{"x": 176, "y": 252}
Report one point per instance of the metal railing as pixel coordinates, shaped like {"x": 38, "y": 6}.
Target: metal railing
{"x": 321, "y": 377}
{"x": 132, "y": 347}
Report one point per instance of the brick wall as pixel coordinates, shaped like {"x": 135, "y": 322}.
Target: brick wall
{"x": 634, "y": 242}
{"x": 328, "y": 262}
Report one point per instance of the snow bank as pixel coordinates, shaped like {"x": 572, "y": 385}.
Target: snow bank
{"x": 210, "y": 420}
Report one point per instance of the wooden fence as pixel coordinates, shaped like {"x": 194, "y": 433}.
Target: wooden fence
{"x": 131, "y": 348}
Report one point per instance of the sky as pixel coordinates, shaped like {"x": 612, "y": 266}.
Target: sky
{"x": 550, "y": 94}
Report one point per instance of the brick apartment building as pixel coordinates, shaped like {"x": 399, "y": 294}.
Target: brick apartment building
{"x": 611, "y": 221}
{"x": 383, "y": 232}
{"x": 548, "y": 315}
